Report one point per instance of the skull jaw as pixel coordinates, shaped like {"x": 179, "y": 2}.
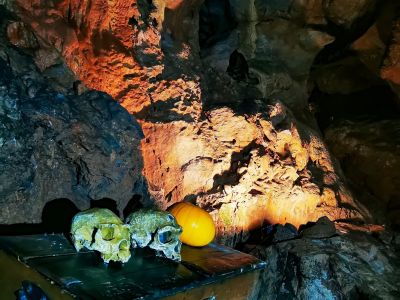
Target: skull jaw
{"x": 166, "y": 242}
{"x": 172, "y": 251}
{"x": 157, "y": 230}
{"x": 122, "y": 256}
{"x": 113, "y": 242}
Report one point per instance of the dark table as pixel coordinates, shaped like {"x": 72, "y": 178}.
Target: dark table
{"x": 51, "y": 262}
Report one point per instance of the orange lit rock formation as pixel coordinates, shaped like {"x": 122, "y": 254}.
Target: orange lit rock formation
{"x": 208, "y": 139}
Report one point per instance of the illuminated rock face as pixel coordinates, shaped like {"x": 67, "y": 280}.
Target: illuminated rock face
{"x": 245, "y": 171}
{"x": 207, "y": 137}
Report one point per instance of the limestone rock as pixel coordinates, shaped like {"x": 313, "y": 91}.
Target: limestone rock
{"x": 370, "y": 155}
{"x": 391, "y": 66}
{"x": 376, "y": 48}
{"x": 58, "y": 145}
{"x": 350, "y": 266}
{"x": 345, "y": 76}
{"x": 323, "y": 228}
{"x": 278, "y": 50}
{"x": 310, "y": 12}
{"x": 284, "y": 232}
{"x": 371, "y": 48}
{"x": 20, "y": 35}
{"x": 208, "y": 138}
{"x": 346, "y": 13}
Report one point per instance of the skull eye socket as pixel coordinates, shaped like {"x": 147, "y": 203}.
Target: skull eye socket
{"x": 107, "y": 233}
{"x": 124, "y": 245}
{"x": 165, "y": 237}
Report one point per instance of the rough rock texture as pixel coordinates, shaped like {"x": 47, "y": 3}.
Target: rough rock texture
{"x": 55, "y": 144}
{"x": 357, "y": 99}
{"x": 391, "y": 67}
{"x": 350, "y": 265}
{"x": 346, "y": 13}
{"x": 220, "y": 89}
{"x": 209, "y": 138}
{"x": 277, "y": 46}
{"x": 365, "y": 54}
{"x": 369, "y": 152}
{"x": 345, "y": 76}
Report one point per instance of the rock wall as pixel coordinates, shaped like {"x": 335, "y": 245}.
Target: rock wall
{"x": 58, "y": 141}
{"x": 324, "y": 262}
{"x": 220, "y": 90}
{"x": 228, "y": 141}
{"x": 368, "y": 47}
{"x": 356, "y": 101}
{"x": 369, "y": 153}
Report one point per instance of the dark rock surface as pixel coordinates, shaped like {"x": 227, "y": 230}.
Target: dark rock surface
{"x": 369, "y": 152}
{"x": 391, "y": 70}
{"x": 323, "y": 228}
{"x": 55, "y": 144}
{"x": 284, "y": 232}
{"x": 352, "y": 265}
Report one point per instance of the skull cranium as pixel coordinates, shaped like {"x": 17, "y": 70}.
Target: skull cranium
{"x": 101, "y": 230}
{"x": 157, "y": 230}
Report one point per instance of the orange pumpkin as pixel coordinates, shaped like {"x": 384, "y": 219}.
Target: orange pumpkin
{"x": 197, "y": 224}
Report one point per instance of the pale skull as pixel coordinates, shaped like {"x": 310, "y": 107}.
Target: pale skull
{"x": 101, "y": 230}
{"x": 157, "y": 230}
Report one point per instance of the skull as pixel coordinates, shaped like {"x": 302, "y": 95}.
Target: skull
{"x": 101, "y": 230}
{"x": 157, "y": 230}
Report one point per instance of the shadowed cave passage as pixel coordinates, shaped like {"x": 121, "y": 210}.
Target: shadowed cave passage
{"x": 133, "y": 205}
{"x": 105, "y": 203}
{"x": 57, "y": 216}
{"x": 357, "y": 108}
{"x": 215, "y": 23}
{"x": 373, "y": 103}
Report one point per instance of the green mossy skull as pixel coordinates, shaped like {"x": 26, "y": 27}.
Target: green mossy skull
{"x": 157, "y": 230}
{"x": 101, "y": 230}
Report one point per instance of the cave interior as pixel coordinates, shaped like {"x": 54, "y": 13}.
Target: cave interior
{"x": 280, "y": 118}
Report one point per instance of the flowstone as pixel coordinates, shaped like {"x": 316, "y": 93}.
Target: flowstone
{"x": 157, "y": 230}
{"x": 101, "y": 230}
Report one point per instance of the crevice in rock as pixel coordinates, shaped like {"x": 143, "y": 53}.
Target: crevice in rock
{"x": 146, "y": 7}
{"x": 105, "y": 203}
{"x": 232, "y": 176}
{"x": 133, "y": 204}
{"x": 194, "y": 160}
{"x": 344, "y": 35}
{"x": 354, "y": 104}
{"x": 373, "y": 103}
{"x": 56, "y": 218}
{"x": 216, "y": 22}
